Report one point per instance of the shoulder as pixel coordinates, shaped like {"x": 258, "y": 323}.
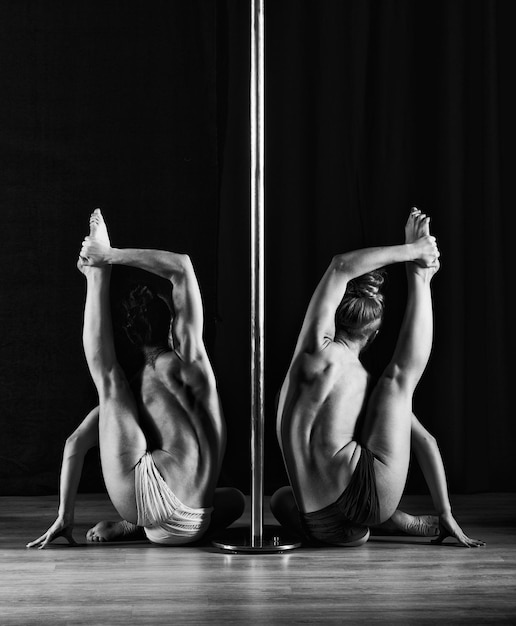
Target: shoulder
{"x": 165, "y": 361}
{"x": 194, "y": 372}
{"x": 309, "y": 364}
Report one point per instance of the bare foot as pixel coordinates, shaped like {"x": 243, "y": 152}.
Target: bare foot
{"x": 415, "y": 525}
{"x": 422, "y": 525}
{"x": 96, "y": 247}
{"x": 114, "y": 531}
{"x": 98, "y": 228}
{"x": 417, "y": 226}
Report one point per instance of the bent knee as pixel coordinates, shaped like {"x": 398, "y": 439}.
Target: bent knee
{"x": 357, "y": 542}
{"x": 236, "y": 499}
{"x": 281, "y": 499}
{"x": 229, "y": 498}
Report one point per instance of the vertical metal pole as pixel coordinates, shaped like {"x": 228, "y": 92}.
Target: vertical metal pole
{"x": 260, "y": 539}
{"x": 257, "y": 106}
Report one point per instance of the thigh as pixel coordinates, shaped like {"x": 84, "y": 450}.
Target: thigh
{"x": 386, "y": 433}
{"x": 228, "y": 507}
{"x": 122, "y": 444}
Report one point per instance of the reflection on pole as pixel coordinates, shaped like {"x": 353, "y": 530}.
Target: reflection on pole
{"x": 259, "y": 538}
{"x": 257, "y": 95}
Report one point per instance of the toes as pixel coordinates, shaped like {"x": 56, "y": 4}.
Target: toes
{"x": 91, "y": 535}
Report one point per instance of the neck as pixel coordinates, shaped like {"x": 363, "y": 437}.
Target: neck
{"x": 353, "y": 345}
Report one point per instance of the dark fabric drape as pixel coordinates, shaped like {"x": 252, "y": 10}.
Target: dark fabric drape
{"x": 108, "y": 104}
{"x": 372, "y": 107}
{"x": 142, "y": 109}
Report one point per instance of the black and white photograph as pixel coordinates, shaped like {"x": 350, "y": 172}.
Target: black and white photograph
{"x": 256, "y": 321}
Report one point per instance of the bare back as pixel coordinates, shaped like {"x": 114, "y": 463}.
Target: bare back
{"x": 326, "y": 391}
{"x": 321, "y": 402}
{"x": 181, "y": 414}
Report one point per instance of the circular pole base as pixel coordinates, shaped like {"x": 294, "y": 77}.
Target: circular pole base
{"x": 274, "y": 540}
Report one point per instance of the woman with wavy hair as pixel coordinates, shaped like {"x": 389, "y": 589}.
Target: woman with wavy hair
{"x": 346, "y": 438}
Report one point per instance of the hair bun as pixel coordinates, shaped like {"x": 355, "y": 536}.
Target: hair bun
{"x": 366, "y": 286}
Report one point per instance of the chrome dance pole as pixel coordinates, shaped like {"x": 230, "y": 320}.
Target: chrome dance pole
{"x": 260, "y": 538}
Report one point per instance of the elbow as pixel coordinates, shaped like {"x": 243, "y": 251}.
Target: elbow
{"x": 186, "y": 263}
{"x": 183, "y": 260}
{"x": 72, "y": 444}
{"x": 180, "y": 267}
{"x": 343, "y": 263}
{"x": 425, "y": 441}
{"x": 75, "y": 444}
{"x": 429, "y": 441}
{"x": 339, "y": 262}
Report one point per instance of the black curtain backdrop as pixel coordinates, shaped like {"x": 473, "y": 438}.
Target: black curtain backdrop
{"x": 372, "y": 107}
{"x": 142, "y": 109}
{"x": 109, "y": 104}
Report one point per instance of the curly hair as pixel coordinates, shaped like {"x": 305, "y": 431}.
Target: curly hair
{"x": 362, "y": 305}
{"x": 146, "y": 317}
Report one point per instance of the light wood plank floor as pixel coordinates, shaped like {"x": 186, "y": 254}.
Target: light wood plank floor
{"x": 391, "y": 580}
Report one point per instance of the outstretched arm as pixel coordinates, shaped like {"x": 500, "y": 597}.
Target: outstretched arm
{"x": 188, "y": 321}
{"x": 76, "y": 446}
{"x": 319, "y": 324}
{"x": 430, "y": 460}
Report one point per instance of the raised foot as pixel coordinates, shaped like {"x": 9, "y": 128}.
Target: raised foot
{"x": 98, "y": 228}
{"x": 114, "y": 531}
{"x": 418, "y": 225}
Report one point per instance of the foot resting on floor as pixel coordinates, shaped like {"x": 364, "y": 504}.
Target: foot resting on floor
{"x": 115, "y": 531}
{"x": 404, "y": 524}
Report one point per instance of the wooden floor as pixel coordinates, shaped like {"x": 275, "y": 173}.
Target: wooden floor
{"x": 390, "y": 580}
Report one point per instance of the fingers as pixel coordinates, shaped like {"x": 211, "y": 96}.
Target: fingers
{"x": 460, "y": 537}
{"x": 43, "y": 541}
{"x": 36, "y": 542}
{"x": 472, "y": 543}
{"x": 85, "y": 246}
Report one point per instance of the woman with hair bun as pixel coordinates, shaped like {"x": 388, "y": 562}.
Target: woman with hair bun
{"x": 345, "y": 438}
{"x": 162, "y": 438}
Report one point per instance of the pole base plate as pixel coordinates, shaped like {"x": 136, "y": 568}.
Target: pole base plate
{"x": 273, "y": 540}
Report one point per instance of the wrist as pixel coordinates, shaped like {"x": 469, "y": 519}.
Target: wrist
{"x": 446, "y": 510}
{"x": 113, "y": 256}
{"x": 411, "y": 253}
{"x": 66, "y": 516}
